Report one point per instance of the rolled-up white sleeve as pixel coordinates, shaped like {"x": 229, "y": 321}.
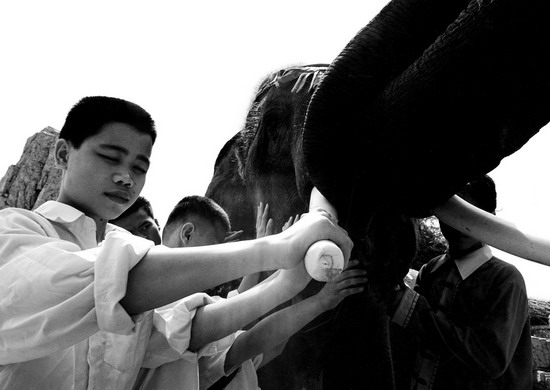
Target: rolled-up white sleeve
{"x": 118, "y": 254}
{"x": 168, "y": 364}
{"x": 212, "y": 366}
{"x": 171, "y": 332}
{"x": 47, "y": 297}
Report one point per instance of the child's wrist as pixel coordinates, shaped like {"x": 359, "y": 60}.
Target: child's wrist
{"x": 271, "y": 251}
{"x": 288, "y": 284}
{"x": 320, "y": 303}
{"x": 324, "y": 304}
{"x": 265, "y": 254}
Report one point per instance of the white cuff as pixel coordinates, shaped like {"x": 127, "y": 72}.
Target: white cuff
{"x": 118, "y": 254}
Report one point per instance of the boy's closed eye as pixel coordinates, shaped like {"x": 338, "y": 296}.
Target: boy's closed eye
{"x": 141, "y": 169}
{"x": 116, "y": 160}
{"x": 108, "y": 158}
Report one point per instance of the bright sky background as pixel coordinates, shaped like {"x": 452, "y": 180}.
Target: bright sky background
{"x": 195, "y": 66}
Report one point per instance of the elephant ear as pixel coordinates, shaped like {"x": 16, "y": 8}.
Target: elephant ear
{"x": 416, "y": 106}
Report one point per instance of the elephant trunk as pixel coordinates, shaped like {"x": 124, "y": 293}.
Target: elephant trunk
{"x": 493, "y": 230}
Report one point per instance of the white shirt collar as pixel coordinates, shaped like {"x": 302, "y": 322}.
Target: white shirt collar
{"x": 63, "y": 213}
{"x": 59, "y": 212}
{"x": 468, "y": 264}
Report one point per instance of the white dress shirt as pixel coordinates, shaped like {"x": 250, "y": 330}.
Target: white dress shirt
{"x": 58, "y": 287}
{"x": 61, "y": 323}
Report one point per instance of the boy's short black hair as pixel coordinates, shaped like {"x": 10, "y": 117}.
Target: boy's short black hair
{"x": 91, "y": 113}
{"x": 140, "y": 203}
{"x": 483, "y": 192}
{"x": 199, "y": 206}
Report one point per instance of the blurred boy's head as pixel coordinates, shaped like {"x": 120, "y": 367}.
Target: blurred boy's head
{"x": 104, "y": 150}
{"x": 140, "y": 221}
{"x": 195, "y": 221}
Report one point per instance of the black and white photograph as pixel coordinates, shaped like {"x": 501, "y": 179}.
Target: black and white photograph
{"x": 289, "y": 195}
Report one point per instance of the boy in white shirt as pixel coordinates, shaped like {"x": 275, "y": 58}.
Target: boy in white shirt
{"x": 65, "y": 273}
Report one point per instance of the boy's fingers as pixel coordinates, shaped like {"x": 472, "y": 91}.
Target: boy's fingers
{"x": 352, "y": 263}
{"x": 340, "y": 236}
{"x": 259, "y": 214}
{"x": 232, "y": 236}
{"x": 345, "y": 243}
{"x": 350, "y": 274}
{"x": 269, "y": 227}
{"x": 354, "y": 273}
{"x": 351, "y": 291}
{"x": 352, "y": 283}
{"x": 356, "y": 280}
{"x": 321, "y": 211}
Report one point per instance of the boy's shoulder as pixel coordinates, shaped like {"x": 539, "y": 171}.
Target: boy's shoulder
{"x": 19, "y": 218}
{"x": 503, "y": 268}
{"x": 15, "y": 212}
{"x": 500, "y": 275}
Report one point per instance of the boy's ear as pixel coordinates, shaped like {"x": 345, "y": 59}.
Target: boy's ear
{"x": 61, "y": 153}
{"x": 186, "y": 233}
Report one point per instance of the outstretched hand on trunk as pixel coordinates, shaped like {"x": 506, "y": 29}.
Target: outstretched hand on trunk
{"x": 290, "y": 246}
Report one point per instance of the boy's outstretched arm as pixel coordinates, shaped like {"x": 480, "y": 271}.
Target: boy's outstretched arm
{"x": 275, "y": 329}
{"x": 165, "y": 275}
{"x": 217, "y": 320}
{"x": 264, "y": 227}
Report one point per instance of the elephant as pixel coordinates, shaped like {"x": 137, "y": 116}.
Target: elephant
{"x": 461, "y": 84}
{"x": 264, "y": 162}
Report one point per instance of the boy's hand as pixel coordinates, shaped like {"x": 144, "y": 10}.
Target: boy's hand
{"x": 291, "y": 245}
{"x": 233, "y": 236}
{"x": 291, "y": 221}
{"x": 349, "y": 282}
{"x": 264, "y": 224}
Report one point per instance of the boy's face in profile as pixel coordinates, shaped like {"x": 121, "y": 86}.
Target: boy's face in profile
{"x": 106, "y": 174}
{"x": 140, "y": 224}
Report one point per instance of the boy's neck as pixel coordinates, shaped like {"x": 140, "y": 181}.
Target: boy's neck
{"x": 459, "y": 251}
{"x": 101, "y": 226}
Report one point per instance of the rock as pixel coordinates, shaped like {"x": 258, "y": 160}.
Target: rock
{"x": 539, "y": 310}
{"x": 35, "y": 178}
{"x": 541, "y": 353}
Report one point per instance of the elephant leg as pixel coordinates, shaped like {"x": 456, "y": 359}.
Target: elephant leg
{"x": 299, "y": 365}
{"x": 358, "y": 355}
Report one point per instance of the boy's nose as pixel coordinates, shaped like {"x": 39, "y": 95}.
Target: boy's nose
{"x": 124, "y": 179}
